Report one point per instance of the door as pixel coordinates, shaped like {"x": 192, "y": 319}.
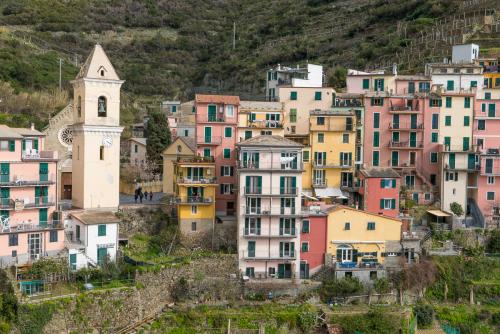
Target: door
{"x": 395, "y": 158}
{"x": 208, "y": 134}
{"x": 304, "y": 270}
{"x": 451, "y": 160}
{"x": 34, "y": 245}
{"x": 471, "y": 161}
{"x": 413, "y": 139}
{"x": 251, "y": 249}
{"x": 5, "y": 197}
{"x": 395, "y": 121}
{"x": 212, "y": 113}
{"x": 72, "y": 261}
{"x": 102, "y": 254}
{"x": 413, "y": 158}
{"x": 413, "y": 121}
{"x": 67, "y": 191}
{"x": 43, "y": 216}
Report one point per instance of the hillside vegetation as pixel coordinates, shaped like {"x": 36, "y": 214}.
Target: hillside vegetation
{"x": 173, "y": 48}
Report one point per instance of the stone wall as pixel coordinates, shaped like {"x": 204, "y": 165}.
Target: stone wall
{"x": 207, "y": 278}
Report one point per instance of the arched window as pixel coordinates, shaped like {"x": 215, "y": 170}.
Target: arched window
{"x": 344, "y": 253}
{"x": 79, "y": 106}
{"x": 101, "y": 106}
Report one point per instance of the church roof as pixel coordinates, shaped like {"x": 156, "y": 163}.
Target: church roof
{"x": 96, "y": 63}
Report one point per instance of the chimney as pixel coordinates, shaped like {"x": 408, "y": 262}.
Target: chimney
{"x": 32, "y": 126}
{"x": 394, "y": 69}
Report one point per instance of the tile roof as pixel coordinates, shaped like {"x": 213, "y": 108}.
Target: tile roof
{"x": 142, "y": 141}
{"x": 28, "y": 132}
{"x": 7, "y": 132}
{"x": 226, "y": 99}
{"x": 270, "y": 141}
{"x": 189, "y": 141}
{"x": 379, "y": 172}
{"x": 96, "y": 217}
{"x": 261, "y": 105}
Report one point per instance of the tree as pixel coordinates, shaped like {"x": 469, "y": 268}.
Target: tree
{"x": 425, "y": 315}
{"x": 335, "y": 288}
{"x": 457, "y": 209}
{"x": 158, "y": 138}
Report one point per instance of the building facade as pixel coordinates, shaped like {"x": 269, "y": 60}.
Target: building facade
{"x": 30, "y": 226}
{"x": 312, "y": 241}
{"x": 379, "y": 191}
{"x": 181, "y": 147}
{"x": 269, "y": 210}
{"x": 257, "y": 118}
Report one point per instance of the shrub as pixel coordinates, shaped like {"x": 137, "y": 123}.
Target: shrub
{"x": 335, "y": 288}
{"x": 382, "y": 285}
{"x": 457, "y": 209}
{"x": 424, "y": 314}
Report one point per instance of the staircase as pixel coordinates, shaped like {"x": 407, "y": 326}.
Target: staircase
{"x": 475, "y": 213}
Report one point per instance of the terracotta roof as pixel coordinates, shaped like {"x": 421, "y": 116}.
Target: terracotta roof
{"x": 189, "y": 141}
{"x": 96, "y": 217}
{"x": 379, "y": 172}
{"x": 270, "y": 141}
{"x": 226, "y": 99}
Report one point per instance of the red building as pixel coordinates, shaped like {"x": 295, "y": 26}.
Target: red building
{"x": 379, "y": 191}
{"x": 313, "y": 238}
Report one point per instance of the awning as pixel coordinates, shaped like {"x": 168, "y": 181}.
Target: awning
{"x": 328, "y": 192}
{"x": 308, "y": 194}
{"x": 438, "y": 213}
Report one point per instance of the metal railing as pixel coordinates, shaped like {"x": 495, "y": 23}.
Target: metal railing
{"x": 282, "y": 233}
{"x": 406, "y": 144}
{"x": 218, "y": 118}
{"x": 194, "y": 200}
{"x": 459, "y": 148}
{"x": 320, "y": 183}
{"x": 262, "y": 255}
{"x": 335, "y": 164}
{"x": 196, "y": 159}
{"x": 39, "y": 155}
{"x": 211, "y": 140}
{"x": 270, "y": 191}
{"x": 265, "y": 124}
{"x": 406, "y": 126}
{"x": 30, "y": 226}
{"x": 266, "y": 164}
{"x": 197, "y": 180}
{"x": 21, "y": 181}
{"x": 271, "y": 211}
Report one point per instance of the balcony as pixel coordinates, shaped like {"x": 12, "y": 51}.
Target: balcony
{"x": 334, "y": 124}
{"x": 460, "y": 167}
{"x": 19, "y": 181}
{"x": 265, "y": 124}
{"x": 336, "y": 164}
{"x": 194, "y": 200}
{"x": 195, "y": 160}
{"x": 406, "y": 126}
{"x": 320, "y": 183}
{"x": 271, "y": 211}
{"x": 34, "y": 155}
{"x": 350, "y": 187}
{"x": 258, "y": 233}
{"x": 219, "y": 118}
{"x": 30, "y": 227}
{"x": 347, "y": 103}
{"x": 266, "y": 256}
{"x": 266, "y": 165}
{"x": 279, "y": 192}
{"x": 459, "y": 148}
{"x": 403, "y": 110}
{"x": 491, "y": 171}
{"x": 411, "y": 144}
{"x": 368, "y": 264}
{"x": 196, "y": 180}
{"x": 401, "y": 165}
{"x": 209, "y": 140}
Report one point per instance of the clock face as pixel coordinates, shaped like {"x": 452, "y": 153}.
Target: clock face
{"x": 107, "y": 141}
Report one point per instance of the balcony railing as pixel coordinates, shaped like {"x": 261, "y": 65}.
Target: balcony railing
{"x": 320, "y": 183}
{"x": 39, "y": 155}
{"x": 350, "y": 186}
{"x": 334, "y": 164}
{"x": 459, "y": 148}
{"x": 197, "y": 180}
{"x": 406, "y": 126}
{"x": 358, "y": 265}
{"x": 194, "y": 200}
{"x": 263, "y": 256}
{"x": 36, "y": 202}
{"x": 220, "y": 118}
{"x": 260, "y": 232}
{"x": 463, "y": 166}
{"x": 266, "y": 124}
{"x": 270, "y": 165}
{"x": 209, "y": 140}
{"x": 196, "y": 159}
{"x": 402, "y": 109}
{"x": 411, "y": 144}
{"x": 271, "y": 211}
{"x": 351, "y": 103}
{"x": 30, "y": 226}
{"x": 8, "y": 180}
{"x": 270, "y": 191}
{"x": 493, "y": 171}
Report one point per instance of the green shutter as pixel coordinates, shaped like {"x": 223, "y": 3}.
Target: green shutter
{"x": 282, "y": 184}
{"x": 376, "y": 120}
{"x": 24, "y": 145}
{"x": 447, "y": 141}
{"x": 293, "y": 95}
{"x": 394, "y": 183}
{"x": 247, "y": 182}
{"x": 101, "y": 230}
{"x": 102, "y": 254}
{"x": 382, "y": 203}
{"x": 43, "y": 217}
{"x": 317, "y": 96}
{"x": 450, "y": 85}
{"x": 466, "y": 143}
{"x": 466, "y": 120}
{"x": 12, "y": 145}
{"x": 366, "y": 83}
{"x": 491, "y": 110}
{"x": 376, "y": 158}
{"x": 467, "y": 102}
{"x": 393, "y": 204}
{"x": 376, "y": 139}
{"x": 35, "y": 144}
{"x": 448, "y": 102}
{"x": 382, "y": 183}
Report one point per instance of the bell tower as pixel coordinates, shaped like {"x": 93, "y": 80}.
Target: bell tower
{"x": 96, "y": 133}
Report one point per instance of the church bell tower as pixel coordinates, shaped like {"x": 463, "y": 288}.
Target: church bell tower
{"x": 96, "y": 134}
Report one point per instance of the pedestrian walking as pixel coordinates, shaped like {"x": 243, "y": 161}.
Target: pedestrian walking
{"x": 141, "y": 196}
{"x": 146, "y": 195}
{"x": 150, "y": 196}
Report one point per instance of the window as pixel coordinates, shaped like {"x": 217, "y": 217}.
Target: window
{"x": 487, "y": 96}
{"x": 250, "y": 271}
{"x": 466, "y": 120}
{"x": 305, "y": 226}
{"x": 305, "y": 156}
{"x": 13, "y": 240}
{"x": 321, "y": 137}
{"x": 101, "y": 230}
{"x": 193, "y": 226}
{"x": 435, "y": 102}
{"x": 379, "y": 85}
{"x": 395, "y": 137}
{"x": 320, "y": 121}
{"x": 427, "y": 196}
{"x": 227, "y": 153}
{"x": 305, "y": 247}
{"x": 292, "y": 129}
{"x": 375, "y": 158}
{"x": 194, "y": 209}
{"x": 293, "y": 96}
{"x": 53, "y": 236}
{"x": 14, "y": 253}
{"x": 377, "y": 101}
{"x": 448, "y": 102}
{"x": 136, "y": 148}
{"x": 473, "y": 84}
{"x": 483, "y": 107}
{"x": 388, "y": 183}
{"x": 101, "y": 152}
{"x": 467, "y": 102}
{"x": 411, "y": 87}
{"x": 287, "y": 249}
{"x": 424, "y": 86}
{"x": 433, "y": 179}
{"x": 370, "y": 226}
{"x": 447, "y": 120}
{"x": 226, "y": 171}
{"x": 434, "y": 137}
{"x": 435, "y": 121}
{"x": 434, "y": 157}
{"x": 347, "y": 226}
{"x": 186, "y": 133}
{"x": 387, "y": 203}
{"x": 490, "y": 196}
{"x": 206, "y": 152}
{"x": 293, "y": 115}
{"x": 230, "y": 110}
{"x": 376, "y": 139}
{"x": 226, "y": 189}
{"x": 345, "y": 138}
{"x": 450, "y": 85}
{"x": 373, "y": 275}
{"x": 376, "y": 120}
{"x": 481, "y": 124}
{"x": 317, "y": 96}
{"x": 366, "y": 83}
{"x": 228, "y": 132}
{"x": 252, "y": 226}
{"x": 101, "y": 106}
{"x": 491, "y": 180}
{"x": 491, "y": 110}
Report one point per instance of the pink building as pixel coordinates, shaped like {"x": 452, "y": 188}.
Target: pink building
{"x": 30, "y": 228}
{"x": 486, "y": 134}
{"x": 313, "y": 238}
{"x": 216, "y": 136}
{"x": 401, "y": 131}
{"x": 379, "y": 191}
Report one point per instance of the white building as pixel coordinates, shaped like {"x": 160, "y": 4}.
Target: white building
{"x": 464, "y": 53}
{"x": 456, "y": 78}
{"x": 309, "y": 76}
{"x": 92, "y": 238}
{"x": 270, "y": 184}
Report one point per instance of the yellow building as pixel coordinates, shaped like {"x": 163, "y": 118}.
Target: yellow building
{"x": 194, "y": 184}
{"x": 359, "y": 242}
{"x": 182, "y": 147}
{"x": 332, "y": 150}
{"x": 257, "y": 118}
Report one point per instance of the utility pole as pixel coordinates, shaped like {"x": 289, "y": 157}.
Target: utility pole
{"x": 234, "y": 35}
{"x": 60, "y": 74}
